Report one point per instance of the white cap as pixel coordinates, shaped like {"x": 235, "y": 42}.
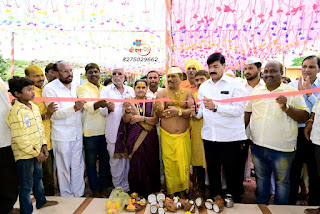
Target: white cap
{"x": 174, "y": 70}
{"x": 117, "y": 66}
{"x": 252, "y": 60}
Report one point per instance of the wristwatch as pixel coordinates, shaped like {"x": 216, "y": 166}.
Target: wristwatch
{"x": 215, "y": 108}
{"x": 180, "y": 113}
{"x": 287, "y": 107}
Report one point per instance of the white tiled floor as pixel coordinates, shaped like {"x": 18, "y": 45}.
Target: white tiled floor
{"x": 98, "y": 205}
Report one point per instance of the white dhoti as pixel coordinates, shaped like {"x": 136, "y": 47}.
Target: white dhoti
{"x": 70, "y": 167}
{"x": 119, "y": 169}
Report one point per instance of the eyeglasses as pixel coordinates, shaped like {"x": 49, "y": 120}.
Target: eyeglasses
{"x": 115, "y": 73}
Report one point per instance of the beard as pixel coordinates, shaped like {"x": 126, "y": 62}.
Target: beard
{"x": 252, "y": 77}
{"x": 153, "y": 84}
{"x": 66, "y": 81}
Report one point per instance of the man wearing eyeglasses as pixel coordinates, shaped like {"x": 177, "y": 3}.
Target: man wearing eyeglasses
{"x": 113, "y": 112}
{"x": 66, "y": 132}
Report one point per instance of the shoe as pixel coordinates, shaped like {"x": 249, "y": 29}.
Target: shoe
{"x": 105, "y": 193}
{"x": 96, "y": 194}
{"x": 15, "y": 211}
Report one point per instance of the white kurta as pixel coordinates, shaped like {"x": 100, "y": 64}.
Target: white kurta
{"x": 119, "y": 167}
{"x": 66, "y": 136}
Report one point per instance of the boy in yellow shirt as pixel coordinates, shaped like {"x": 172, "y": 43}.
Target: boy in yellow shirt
{"x": 28, "y": 144}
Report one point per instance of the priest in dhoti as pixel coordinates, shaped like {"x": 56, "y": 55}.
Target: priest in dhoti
{"x": 174, "y": 133}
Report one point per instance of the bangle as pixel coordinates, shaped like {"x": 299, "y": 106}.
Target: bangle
{"x": 45, "y": 116}
{"x": 310, "y": 120}
{"x": 127, "y": 112}
{"x": 145, "y": 119}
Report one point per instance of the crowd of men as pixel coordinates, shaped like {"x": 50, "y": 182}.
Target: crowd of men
{"x": 277, "y": 133}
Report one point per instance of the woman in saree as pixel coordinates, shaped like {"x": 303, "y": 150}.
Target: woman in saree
{"x": 137, "y": 140}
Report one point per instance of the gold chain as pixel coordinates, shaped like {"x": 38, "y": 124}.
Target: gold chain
{"x": 175, "y": 96}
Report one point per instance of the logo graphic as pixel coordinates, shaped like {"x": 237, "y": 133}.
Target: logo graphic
{"x": 139, "y": 48}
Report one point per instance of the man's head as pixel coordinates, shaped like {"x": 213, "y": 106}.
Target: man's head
{"x": 216, "y": 64}
{"x": 35, "y": 73}
{"x": 153, "y": 79}
{"x": 174, "y": 77}
{"x": 64, "y": 72}
{"x": 285, "y": 80}
{"x": 191, "y": 67}
{"x": 93, "y": 73}
{"x": 272, "y": 74}
{"x": 50, "y": 73}
{"x": 118, "y": 76}
{"x": 310, "y": 67}
{"x": 21, "y": 88}
{"x": 201, "y": 77}
{"x": 252, "y": 68}
{"x": 107, "y": 81}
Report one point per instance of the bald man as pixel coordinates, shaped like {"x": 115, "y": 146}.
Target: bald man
{"x": 36, "y": 74}
{"x": 274, "y": 131}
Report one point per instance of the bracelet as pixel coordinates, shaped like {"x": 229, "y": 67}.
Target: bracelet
{"x": 310, "y": 120}
{"x": 145, "y": 119}
{"x": 45, "y": 116}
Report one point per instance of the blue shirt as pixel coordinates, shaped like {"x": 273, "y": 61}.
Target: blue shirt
{"x": 310, "y": 101}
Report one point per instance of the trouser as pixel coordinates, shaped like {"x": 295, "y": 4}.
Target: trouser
{"x": 95, "y": 149}
{"x": 227, "y": 155}
{"x": 30, "y": 178}
{"x": 304, "y": 152}
{"x": 244, "y": 151}
{"x": 48, "y": 182}
{"x": 200, "y": 173}
{"x": 119, "y": 169}
{"x": 317, "y": 156}
{"x": 9, "y": 180}
{"x": 265, "y": 161}
{"x": 70, "y": 167}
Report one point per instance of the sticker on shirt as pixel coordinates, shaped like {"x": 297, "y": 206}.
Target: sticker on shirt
{"x": 27, "y": 121}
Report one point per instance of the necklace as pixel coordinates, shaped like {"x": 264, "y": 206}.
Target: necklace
{"x": 175, "y": 96}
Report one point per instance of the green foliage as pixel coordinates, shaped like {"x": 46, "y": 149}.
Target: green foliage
{"x": 4, "y": 66}
{"x": 297, "y": 61}
{"x": 238, "y": 73}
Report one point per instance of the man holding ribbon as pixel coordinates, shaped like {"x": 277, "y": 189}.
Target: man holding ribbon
{"x": 274, "y": 130}
{"x": 223, "y": 130}
{"x": 174, "y": 133}
{"x": 66, "y": 132}
{"x": 113, "y": 112}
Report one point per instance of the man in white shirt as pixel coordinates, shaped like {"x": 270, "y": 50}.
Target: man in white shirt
{"x": 274, "y": 130}
{"x": 310, "y": 69}
{"x": 223, "y": 130}
{"x": 153, "y": 79}
{"x": 117, "y": 90}
{"x": 9, "y": 183}
{"x": 66, "y": 132}
{"x": 252, "y": 71}
{"x": 312, "y": 132}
